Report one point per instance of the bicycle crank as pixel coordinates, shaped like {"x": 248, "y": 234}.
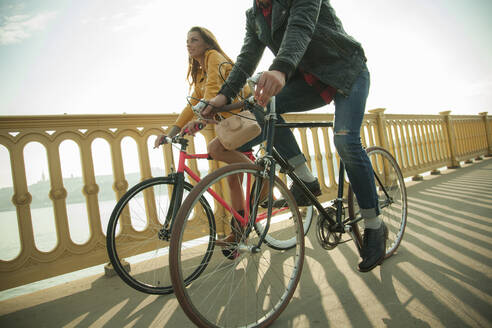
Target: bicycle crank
{"x": 327, "y": 239}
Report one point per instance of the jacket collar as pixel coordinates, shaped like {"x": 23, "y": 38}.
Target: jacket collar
{"x": 279, "y": 15}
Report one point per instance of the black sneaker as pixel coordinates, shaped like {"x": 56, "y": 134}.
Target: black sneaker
{"x": 373, "y": 248}
{"x": 299, "y": 196}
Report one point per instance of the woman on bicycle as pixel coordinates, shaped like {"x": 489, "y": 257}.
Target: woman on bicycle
{"x": 205, "y": 75}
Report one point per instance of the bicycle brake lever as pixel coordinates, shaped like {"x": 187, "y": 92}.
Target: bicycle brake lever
{"x": 252, "y": 81}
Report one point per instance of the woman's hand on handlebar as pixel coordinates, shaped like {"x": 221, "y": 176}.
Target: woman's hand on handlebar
{"x": 216, "y": 102}
{"x": 192, "y": 127}
{"x": 160, "y": 140}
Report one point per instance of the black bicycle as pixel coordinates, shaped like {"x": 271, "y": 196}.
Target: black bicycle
{"x": 256, "y": 286}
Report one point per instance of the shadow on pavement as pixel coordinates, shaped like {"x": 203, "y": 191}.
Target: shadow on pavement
{"x": 440, "y": 276}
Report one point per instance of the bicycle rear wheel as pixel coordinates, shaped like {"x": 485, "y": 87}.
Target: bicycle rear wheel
{"x": 252, "y": 289}
{"x": 138, "y": 246}
{"x": 392, "y": 195}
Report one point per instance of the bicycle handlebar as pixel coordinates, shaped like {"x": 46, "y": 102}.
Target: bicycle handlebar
{"x": 228, "y": 108}
{"x": 197, "y": 109}
{"x": 167, "y": 139}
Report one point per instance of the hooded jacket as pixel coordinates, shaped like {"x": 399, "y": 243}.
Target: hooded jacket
{"x": 304, "y": 34}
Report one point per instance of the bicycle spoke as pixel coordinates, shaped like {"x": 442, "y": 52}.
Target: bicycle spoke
{"x": 134, "y": 236}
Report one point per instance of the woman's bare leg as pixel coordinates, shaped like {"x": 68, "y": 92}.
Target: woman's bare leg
{"x": 219, "y": 153}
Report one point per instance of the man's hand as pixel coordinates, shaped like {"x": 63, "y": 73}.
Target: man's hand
{"x": 269, "y": 85}
{"x": 217, "y": 101}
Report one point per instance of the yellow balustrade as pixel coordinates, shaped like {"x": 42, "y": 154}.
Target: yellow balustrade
{"x": 420, "y": 143}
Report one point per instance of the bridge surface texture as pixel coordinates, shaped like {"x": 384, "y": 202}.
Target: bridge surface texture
{"x": 440, "y": 277}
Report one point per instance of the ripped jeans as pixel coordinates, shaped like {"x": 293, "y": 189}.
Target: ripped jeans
{"x": 349, "y": 113}
{"x": 298, "y": 96}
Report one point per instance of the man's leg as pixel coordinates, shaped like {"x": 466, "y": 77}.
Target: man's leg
{"x": 296, "y": 96}
{"x": 349, "y": 113}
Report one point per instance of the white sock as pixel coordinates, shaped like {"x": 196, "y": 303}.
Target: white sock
{"x": 373, "y": 223}
{"x": 302, "y": 171}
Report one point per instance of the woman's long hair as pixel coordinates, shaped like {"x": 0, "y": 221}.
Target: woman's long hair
{"x": 212, "y": 43}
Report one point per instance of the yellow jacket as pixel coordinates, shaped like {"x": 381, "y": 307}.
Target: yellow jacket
{"x": 208, "y": 85}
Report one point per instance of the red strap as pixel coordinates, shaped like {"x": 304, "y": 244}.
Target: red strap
{"x": 326, "y": 92}
{"x": 266, "y": 10}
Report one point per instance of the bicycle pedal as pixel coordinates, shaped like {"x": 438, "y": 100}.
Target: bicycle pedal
{"x": 277, "y": 203}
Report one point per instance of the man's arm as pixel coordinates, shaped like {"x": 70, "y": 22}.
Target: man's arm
{"x": 246, "y": 62}
{"x": 303, "y": 17}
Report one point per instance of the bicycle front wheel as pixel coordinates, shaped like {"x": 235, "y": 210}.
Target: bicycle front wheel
{"x": 253, "y": 288}
{"x": 392, "y": 195}
{"x": 137, "y": 241}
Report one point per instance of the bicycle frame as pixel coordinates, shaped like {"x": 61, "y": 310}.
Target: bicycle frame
{"x": 179, "y": 178}
{"x": 272, "y": 158}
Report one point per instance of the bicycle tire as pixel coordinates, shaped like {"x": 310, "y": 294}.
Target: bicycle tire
{"x": 394, "y": 210}
{"x": 132, "y": 237}
{"x": 252, "y": 289}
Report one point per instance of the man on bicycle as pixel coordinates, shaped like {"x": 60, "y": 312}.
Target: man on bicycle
{"x": 315, "y": 62}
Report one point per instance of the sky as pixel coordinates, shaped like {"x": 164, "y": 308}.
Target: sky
{"x": 129, "y": 56}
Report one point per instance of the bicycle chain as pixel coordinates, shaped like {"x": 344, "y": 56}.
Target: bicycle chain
{"x": 327, "y": 238}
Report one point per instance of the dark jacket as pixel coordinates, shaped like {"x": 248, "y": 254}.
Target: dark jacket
{"x": 304, "y": 34}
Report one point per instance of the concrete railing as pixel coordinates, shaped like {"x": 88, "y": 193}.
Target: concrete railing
{"x": 420, "y": 143}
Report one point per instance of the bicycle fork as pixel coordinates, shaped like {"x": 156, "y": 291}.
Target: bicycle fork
{"x": 268, "y": 173}
{"x": 268, "y": 164}
{"x": 176, "y": 200}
